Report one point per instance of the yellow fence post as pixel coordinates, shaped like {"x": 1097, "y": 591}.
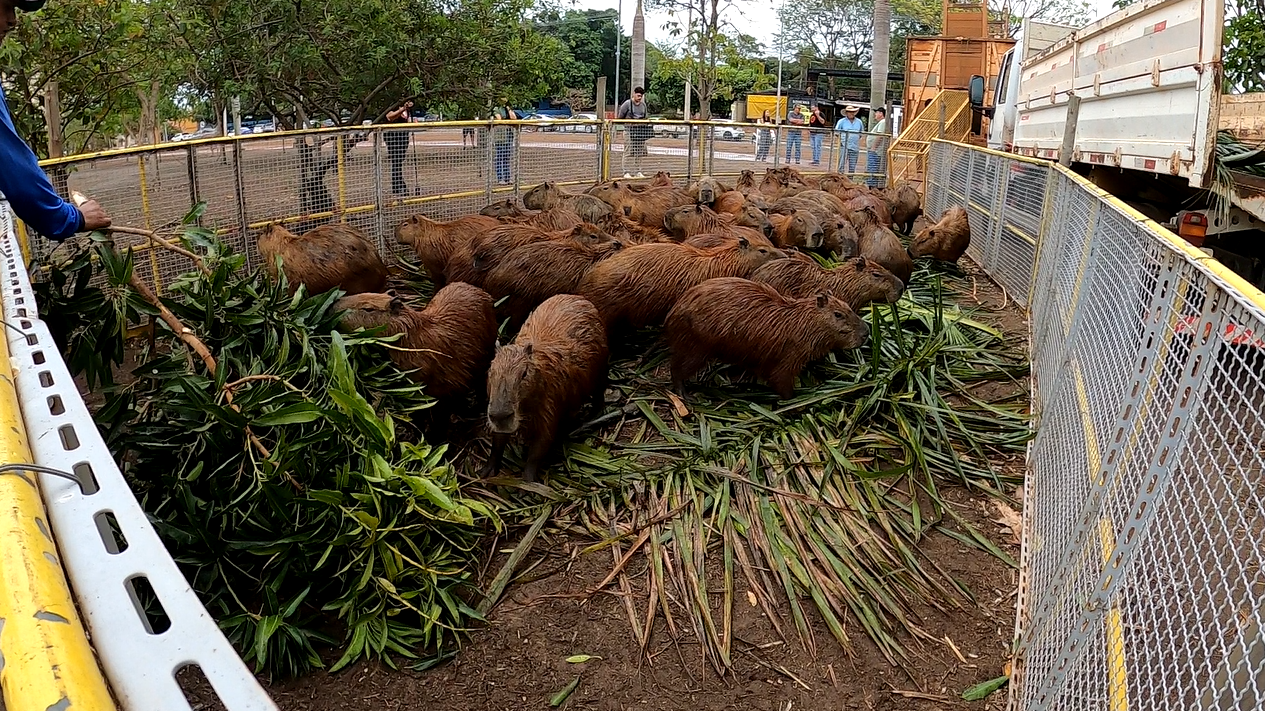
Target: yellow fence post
{"x": 342, "y": 180}
{"x": 48, "y": 663}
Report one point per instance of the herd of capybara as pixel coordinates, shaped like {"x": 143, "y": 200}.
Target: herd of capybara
{"x": 725, "y": 270}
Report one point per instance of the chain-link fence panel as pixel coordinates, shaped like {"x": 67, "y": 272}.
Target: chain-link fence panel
{"x": 1141, "y": 574}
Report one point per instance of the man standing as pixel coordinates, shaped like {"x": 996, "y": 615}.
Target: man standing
{"x": 850, "y": 128}
{"x": 397, "y": 146}
{"x": 816, "y": 132}
{"x": 876, "y": 147}
{"x": 22, "y": 181}
{"x": 503, "y": 141}
{"x": 795, "y": 135}
{"x": 637, "y": 133}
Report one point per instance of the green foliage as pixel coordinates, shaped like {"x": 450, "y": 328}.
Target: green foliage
{"x": 1244, "y": 55}
{"x": 737, "y": 73}
{"x": 291, "y": 484}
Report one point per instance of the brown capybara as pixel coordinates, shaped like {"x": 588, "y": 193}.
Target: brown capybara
{"x": 689, "y": 220}
{"x": 435, "y": 242}
{"x": 630, "y": 232}
{"x": 795, "y": 178}
{"x": 548, "y": 195}
{"x": 882, "y": 208}
{"x": 836, "y": 183}
{"x": 662, "y": 179}
{"x": 906, "y": 206}
{"x": 557, "y": 362}
{"x": 773, "y": 183}
{"x": 500, "y": 209}
{"x": 329, "y": 257}
{"x": 947, "y": 240}
{"x": 706, "y": 190}
{"x": 856, "y": 282}
{"x": 839, "y": 238}
{"x": 545, "y": 196}
{"x": 555, "y": 219}
{"x": 473, "y": 260}
{"x": 751, "y": 325}
{"x": 822, "y": 204}
{"x": 529, "y": 274}
{"x": 447, "y": 345}
{"x": 799, "y": 228}
{"x": 877, "y": 243}
{"x": 637, "y": 286}
{"x": 733, "y": 202}
{"x": 746, "y": 183}
{"x": 647, "y": 207}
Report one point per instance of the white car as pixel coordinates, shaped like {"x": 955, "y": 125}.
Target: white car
{"x": 732, "y": 132}
{"x": 663, "y": 129}
{"x": 582, "y": 127}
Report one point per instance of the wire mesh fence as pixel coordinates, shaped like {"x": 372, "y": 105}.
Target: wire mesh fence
{"x": 1141, "y": 576}
{"x": 375, "y": 177}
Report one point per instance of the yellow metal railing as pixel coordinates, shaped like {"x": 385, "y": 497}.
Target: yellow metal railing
{"x": 907, "y": 156}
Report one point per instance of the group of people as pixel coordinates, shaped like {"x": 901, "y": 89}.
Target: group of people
{"x": 850, "y": 128}
{"x": 397, "y": 143}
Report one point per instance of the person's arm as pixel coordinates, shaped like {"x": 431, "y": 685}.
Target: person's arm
{"x": 395, "y": 114}
{"x": 624, "y": 110}
{"x": 30, "y": 193}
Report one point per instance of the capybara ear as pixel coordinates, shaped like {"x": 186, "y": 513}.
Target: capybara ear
{"x": 821, "y": 300}
{"x": 859, "y": 263}
{"x": 793, "y": 211}
{"x": 617, "y": 245}
{"x": 698, "y": 208}
{"x": 615, "y": 185}
{"x": 527, "y": 350}
{"x": 742, "y": 242}
{"x": 397, "y": 304}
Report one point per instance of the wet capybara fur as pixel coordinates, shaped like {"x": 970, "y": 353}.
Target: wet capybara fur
{"x": 435, "y": 242}
{"x": 554, "y": 219}
{"x": 637, "y": 286}
{"x": 906, "y": 206}
{"x": 630, "y": 231}
{"x": 690, "y": 220}
{"x": 529, "y": 274}
{"x": 500, "y": 209}
{"x": 447, "y": 346}
{"x": 548, "y": 195}
{"x": 882, "y": 208}
{"x": 752, "y": 326}
{"x": 839, "y": 238}
{"x": 821, "y": 204}
{"x": 877, "y": 243}
{"x": 947, "y": 240}
{"x": 329, "y": 257}
{"x": 835, "y": 184}
{"x": 472, "y": 261}
{"x": 541, "y": 380}
{"x": 799, "y": 228}
{"x": 856, "y": 281}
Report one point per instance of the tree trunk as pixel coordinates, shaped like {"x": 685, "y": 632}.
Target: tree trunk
{"x": 880, "y": 55}
{"x": 148, "y": 134}
{"x": 52, "y": 119}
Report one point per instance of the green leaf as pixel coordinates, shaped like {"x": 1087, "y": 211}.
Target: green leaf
{"x": 560, "y": 698}
{"x": 424, "y": 487}
{"x": 580, "y": 658}
{"x": 296, "y": 414}
{"x": 984, "y": 689}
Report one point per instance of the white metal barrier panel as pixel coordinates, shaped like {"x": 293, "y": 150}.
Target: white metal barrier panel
{"x": 108, "y": 547}
{"x": 1143, "y": 573}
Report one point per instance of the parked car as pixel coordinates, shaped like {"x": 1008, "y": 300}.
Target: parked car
{"x": 663, "y": 129}
{"x": 583, "y": 127}
{"x": 544, "y": 123}
{"x": 732, "y": 132}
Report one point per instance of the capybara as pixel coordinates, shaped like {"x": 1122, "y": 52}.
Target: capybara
{"x": 946, "y": 240}
{"x": 637, "y": 286}
{"x": 329, "y": 257}
{"x": 877, "y": 243}
{"x": 822, "y": 204}
{"x": 836, "y": 183}
{"x": 631, "y": 232}
{"x": 800, "y": 228}
{"x": 773, "y": 183}
{"x": 751, "y": 325}
{"x": 544, "y": 196}
{"x": 508, "y": 207}
{"x": 882, "y": 208}
{"x": 447, "y": 346}
{"x": 548, "y": 195}
{"x": 555, "y": 219}
{"x": 689, "y": 220}
{"x": 435, "y": 242}
{"x": 906, "y": 206}
{"x": 529, "y": 274}
{"x": 856, "y": 282}
{"x": 706, "y": 190}
{"x": 544, "y": 377}
{"x": 473, "y": 260}
{"x": 839, "y": 238}
{"x": 796, "y": 178}
{"x": 647, "y": 207}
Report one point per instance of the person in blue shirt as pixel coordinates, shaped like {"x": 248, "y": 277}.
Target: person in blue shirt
{"x": 22, "y": 181}
{"x": 851, "y": 129}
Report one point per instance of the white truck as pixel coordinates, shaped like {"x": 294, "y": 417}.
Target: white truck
{"x": 1133, "y": 101}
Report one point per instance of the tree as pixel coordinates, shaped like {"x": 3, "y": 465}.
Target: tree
{"x": 882, "y": 40}
{"x": 738, "y": 71}
{"x": 1063, "y": 12}
{"x": 1244, "y": 46}
{"x": 703, "y": 36}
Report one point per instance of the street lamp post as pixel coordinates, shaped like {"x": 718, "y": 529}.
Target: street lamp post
{"x": 619, "y": 41}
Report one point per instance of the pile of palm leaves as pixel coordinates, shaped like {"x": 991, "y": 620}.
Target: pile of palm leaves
{"x": 820, "y": 503}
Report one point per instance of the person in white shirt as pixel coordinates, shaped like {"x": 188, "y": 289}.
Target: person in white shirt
{"x": 763, "y": 136}
{"x": 876, "y": 146}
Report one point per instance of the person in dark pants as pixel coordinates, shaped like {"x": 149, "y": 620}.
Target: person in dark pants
{"x": 397, "y": 147}
{"x": 23, "y": 182}
{"x": 503, "y": 141}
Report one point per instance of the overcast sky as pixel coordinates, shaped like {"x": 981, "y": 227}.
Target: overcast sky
{"x": 752, "y": 18}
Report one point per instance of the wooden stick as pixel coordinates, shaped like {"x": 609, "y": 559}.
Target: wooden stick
{"x": 164, "y": 243}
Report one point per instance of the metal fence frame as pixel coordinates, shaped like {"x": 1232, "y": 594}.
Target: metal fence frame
{"x": 1141, "y": 577}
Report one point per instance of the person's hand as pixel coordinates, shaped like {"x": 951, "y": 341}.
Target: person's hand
{"x": 94, "y": 216}
{"x": 408, "y": 104}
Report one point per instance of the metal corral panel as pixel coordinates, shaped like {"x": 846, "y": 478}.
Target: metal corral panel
{"x": 1146, "y": 76}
